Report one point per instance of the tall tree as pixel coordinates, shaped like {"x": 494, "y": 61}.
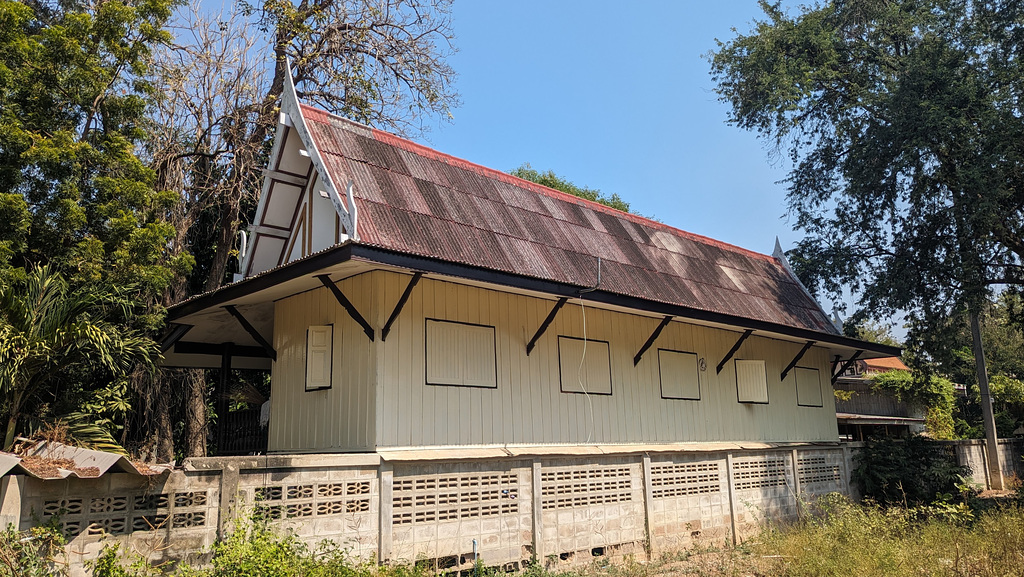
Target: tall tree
{"x": 383, "y": 63}
{"x": 903, "y": 121}
{"x": 75, "y": 197}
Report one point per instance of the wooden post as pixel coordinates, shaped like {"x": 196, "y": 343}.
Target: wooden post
{"x": 221, "y": 402}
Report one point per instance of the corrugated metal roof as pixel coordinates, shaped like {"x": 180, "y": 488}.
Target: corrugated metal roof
{"x": 52, "y": 460}
{"x": 419, "y": 201}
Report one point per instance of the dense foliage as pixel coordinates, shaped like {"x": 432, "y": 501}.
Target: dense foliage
{"x": 914, "y": 471}
{"x": 928, "y": 391}
{"x": 130, "y": 159}
{"x": 38, "y": 552}
{"x": 72, "y": 111}
{"x": 67, "y": 353}
{"x": 551, "y": 180}
{"x": 903, "y": 123}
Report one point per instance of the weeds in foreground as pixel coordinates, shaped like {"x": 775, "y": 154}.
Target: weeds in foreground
{"x": 870, "y": 540}
{"x": 38, "y": 552}
{"x": 838, "y": 538}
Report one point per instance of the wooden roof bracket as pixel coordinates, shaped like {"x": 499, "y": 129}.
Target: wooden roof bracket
{"x": 255, "y": 334}
{"x": 650, "y": 340}
{"x": 344, "y": 302}
{"x": 733, "y": 350}
{"x": 544, "y": 325}
{"x": 846, "y": 365}
{"x": 796, "y": 359}
{"x": 173, "y": 334}
{"x": 398, "y": 307}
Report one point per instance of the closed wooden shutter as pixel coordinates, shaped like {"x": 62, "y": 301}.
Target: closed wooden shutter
{"x": 679, "y": 376}
{"x": 319, "y": 356}
{"x": 808, "y": 387}
{"x": 460, "y": 354}
{"x": 594, "y": 376}
{"x": 751, "y": 381}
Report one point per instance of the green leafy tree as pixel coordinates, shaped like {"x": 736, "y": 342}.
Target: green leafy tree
{"x": 77, "y": 200}
{"x": 902, "y": 120}
{"x": 928, "y": 391}
{"x": 72, "y": 103}
{"x": 61, "y": 347}
{"x": 551, "y": 180}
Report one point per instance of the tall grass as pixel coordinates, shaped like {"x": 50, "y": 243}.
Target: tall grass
{"x": 867, "y": 540}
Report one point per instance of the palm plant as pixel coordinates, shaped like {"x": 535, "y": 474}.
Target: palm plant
{"x": 49, "y": 331}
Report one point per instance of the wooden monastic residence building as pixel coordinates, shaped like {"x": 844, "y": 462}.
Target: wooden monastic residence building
{"x": 534, "y": 372}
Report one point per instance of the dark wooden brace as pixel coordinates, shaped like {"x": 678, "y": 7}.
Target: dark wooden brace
{"x": 344, "y": 302}
{"x": 255, "y": 334}
{"x": 544, "y": 325}
{"x": 733, "y": 350}
{"x": 796, "y": 359}
{"x": 846, "y": 365}
{"x": 173, "y": 335}
{"x": 650, "y": 340}
{"x": 398, "y": 307}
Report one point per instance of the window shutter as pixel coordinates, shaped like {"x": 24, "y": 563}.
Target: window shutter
{"x": 595, "y": 376}
{"x": 319, "y": 356}
{"x": 460, "y": 354}
{"x": 808, "y": 387}
{"x": 679, "y": 375}
{"x": 751, "y": 381}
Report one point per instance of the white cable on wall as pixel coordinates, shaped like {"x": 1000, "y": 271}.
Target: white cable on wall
{"x": 579, "y": 374}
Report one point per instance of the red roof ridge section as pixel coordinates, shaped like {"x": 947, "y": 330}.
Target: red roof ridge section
{"x": 319, "y": 115}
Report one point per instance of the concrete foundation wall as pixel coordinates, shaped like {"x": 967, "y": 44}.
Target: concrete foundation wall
{"x": 555, "y": 508}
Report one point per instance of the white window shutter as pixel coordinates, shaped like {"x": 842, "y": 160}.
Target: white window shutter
{"x": 751, "y": 381}
{"x": 319, "y": 356}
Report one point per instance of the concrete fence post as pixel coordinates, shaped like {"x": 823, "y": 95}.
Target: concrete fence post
{"x": 228, "y": 509}
{"x": 732, "y": 499}
{"x": 386, "y": 479}
{"x": 10, "y": 501}
{"x": 538, "y": 513}
{"x": 797, "y": 490}
{"x": 648, "y": 501}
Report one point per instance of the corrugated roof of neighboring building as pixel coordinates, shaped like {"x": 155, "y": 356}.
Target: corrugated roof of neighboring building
{"x": 415, "y": 200}
{"x": 885, "y": 364}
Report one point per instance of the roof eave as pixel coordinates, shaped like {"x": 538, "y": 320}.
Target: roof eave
{"x": 354, "y": 250}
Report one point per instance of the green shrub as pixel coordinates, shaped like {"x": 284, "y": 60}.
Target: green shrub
{"x": 38, "y": 552}
{"x": 915, "y": 471}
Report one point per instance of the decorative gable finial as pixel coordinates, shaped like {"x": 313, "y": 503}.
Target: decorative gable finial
{"x": 291, "y": 115}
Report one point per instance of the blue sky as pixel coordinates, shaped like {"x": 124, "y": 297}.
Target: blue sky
{"x": 616, "y": 96}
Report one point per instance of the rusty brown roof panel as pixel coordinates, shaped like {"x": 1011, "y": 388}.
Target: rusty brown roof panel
{"x": 422, "y": 202}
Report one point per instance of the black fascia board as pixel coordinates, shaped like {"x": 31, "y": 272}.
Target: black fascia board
{"x": 298, "y": 269}
{"x": 350, "y": 250}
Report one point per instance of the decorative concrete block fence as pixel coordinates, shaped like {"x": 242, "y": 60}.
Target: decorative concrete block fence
{"x": 421, "y": 505}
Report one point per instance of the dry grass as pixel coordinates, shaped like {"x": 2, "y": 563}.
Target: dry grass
{"x": 849, "y": 539}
